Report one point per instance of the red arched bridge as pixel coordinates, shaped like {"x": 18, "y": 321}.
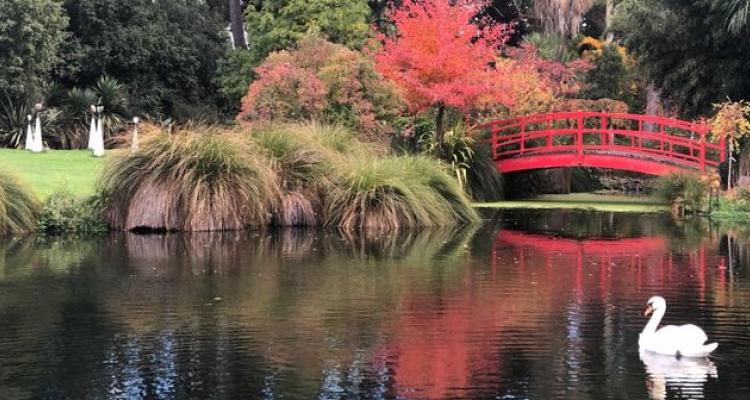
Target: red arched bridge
{"x": 640, "y": 143}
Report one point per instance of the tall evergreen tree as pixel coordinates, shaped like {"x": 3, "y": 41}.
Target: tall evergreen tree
{"x": 685, "y": 50}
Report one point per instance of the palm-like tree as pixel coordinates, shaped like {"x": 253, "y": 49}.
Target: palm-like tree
{"x": 561, "y": 17}
{"x": 737, "y": 12}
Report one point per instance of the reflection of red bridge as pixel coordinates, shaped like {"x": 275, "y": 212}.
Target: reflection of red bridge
{"x": 640, "y": 143}
{"x": 590, "y": 247}
{"x": 652, "y": 252}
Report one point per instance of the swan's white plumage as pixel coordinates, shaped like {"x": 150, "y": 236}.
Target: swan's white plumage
{"x": 681, "y": 341}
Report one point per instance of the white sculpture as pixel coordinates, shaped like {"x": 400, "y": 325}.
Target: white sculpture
{"x": 92, "y": 128}
{"x": 36, "y": 144}
{"x": 29, "y": 135}
{"x": 98, "y": 144}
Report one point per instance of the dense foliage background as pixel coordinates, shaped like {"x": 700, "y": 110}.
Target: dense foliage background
{"x": 374, "y": 66}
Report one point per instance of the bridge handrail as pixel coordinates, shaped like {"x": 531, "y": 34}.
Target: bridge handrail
{"x": 510, "y": 137}
{"x": 655, "y": 119}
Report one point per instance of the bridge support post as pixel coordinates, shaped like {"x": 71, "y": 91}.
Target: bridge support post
{"x": 703, "y": 152}
{"x": 579, "y": 139}
{"x": 493, "y": 143}
{"x": 603, "y": 127}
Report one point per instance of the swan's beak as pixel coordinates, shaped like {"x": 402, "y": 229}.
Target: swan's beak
{"x": 648, "y": 310}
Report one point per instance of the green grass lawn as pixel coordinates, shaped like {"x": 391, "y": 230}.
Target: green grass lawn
{"x": 75, "y": 170}
{"x": 585, "y": 201}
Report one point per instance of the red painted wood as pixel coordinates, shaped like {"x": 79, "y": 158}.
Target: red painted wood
{"x": 629, "y": 142}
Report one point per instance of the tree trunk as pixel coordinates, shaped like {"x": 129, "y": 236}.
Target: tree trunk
{"x": 730, "y": 166}
{"x": 608, "y": 14}
{"x": 236, "y": 24}
{"x": 439, "y": 129}
{"x": 653, "y": 104}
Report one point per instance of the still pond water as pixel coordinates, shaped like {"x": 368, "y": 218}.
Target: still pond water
{"x": 536, "y": 305}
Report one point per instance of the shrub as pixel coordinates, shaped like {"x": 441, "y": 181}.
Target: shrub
{"x": 738, "y": 199}
{"x": 456, "y": 149}
{"x": 689, "y": 187}
{"x": 18, "y": 206}
{"x": 234, "y": 75}
{"x": 194, "y": 180}
{"x": 63, "y": 212}
{"x": 392, "y": 193}
{"x": 485, "y": 182}
{"x": 322, "y": 81}
{"x": 615, "y": 77}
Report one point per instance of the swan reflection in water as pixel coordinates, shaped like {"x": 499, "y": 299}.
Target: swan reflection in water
{"x": 682, "y": 377}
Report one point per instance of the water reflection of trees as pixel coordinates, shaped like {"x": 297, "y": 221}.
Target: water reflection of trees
{"x": 309, "y": 313}
{"x": 206, "y": 314}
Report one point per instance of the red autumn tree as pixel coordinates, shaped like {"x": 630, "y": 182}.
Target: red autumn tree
{"x": 441, "y": 56}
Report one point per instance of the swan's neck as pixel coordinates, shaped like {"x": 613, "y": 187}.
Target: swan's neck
{"x": 653, "y": 323}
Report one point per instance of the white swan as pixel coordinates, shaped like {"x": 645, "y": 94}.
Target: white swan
{"x": 679, "y": 341}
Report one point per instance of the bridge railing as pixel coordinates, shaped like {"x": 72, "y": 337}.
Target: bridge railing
{"x": 663, "y": 139}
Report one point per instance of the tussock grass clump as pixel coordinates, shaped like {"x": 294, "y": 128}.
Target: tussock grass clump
{"x": 193, "y": 180}
{"x": 281, "y": 175}
{"x": 387, "y": 194}
{"x": 304, "y": 158}
{"x": 18, "y": 206}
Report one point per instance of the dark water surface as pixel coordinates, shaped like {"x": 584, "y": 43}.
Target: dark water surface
{"x": 534, "y": 305}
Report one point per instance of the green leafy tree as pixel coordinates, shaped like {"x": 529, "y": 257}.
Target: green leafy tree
{"x": 277, "y": 25}
{"x": 614, "y": 76}
{"x": 164, "y": 52}
{"x": 31, "y": 32}
{"x": 235, "y": 73}
{"x": 684, "y": 50}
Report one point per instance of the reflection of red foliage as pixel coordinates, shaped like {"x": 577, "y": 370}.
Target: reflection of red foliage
{"x": 442, "y": 349}
{"x": 433, "y": 353}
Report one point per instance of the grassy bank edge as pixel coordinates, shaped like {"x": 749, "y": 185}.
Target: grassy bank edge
{"x": 584, "y": 201}
{"x": 571, "y": 205}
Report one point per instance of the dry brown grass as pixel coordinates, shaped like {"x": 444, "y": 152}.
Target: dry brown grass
{"x": 194, "y": 180}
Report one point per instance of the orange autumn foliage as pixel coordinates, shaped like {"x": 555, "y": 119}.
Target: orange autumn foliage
{"x": 442, "y": 56}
